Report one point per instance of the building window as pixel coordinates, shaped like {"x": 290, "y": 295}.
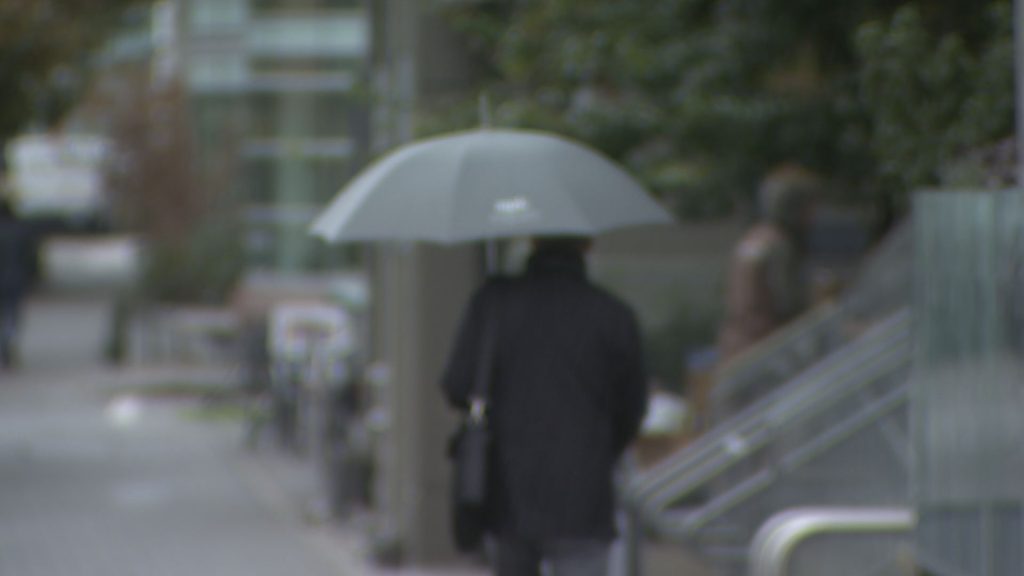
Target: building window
{"x": 218, "y": 118}
{"x": 260, "y": 177}
{"x": 271, "y": 66}
{"x": 321, "y": 180}
{"x": 284, "y": 243}
{"x": 215, "y": 15}
{"x": 294, "y": 5}
{"x": 308, "y": 34}
{"x": 217, "y": 71}
{"x": 299, "y": 115}
{"x": 311, "y": 74}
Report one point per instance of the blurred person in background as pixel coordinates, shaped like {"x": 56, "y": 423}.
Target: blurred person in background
{"x": 568, "y": 395}
{"x": 15, "y": 272}
{"x": 767, "y": 283}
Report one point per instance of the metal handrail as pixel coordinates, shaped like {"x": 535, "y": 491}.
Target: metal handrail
{"x": 818, "y": 328}
{"x": 880, "y": 337}
{"x": 780, "y": 536}
{"x": 750, "y": 359}
{"x": 724, "y": 502}
{"x": 877, "y": 352}
{"x": 691, "y": 523}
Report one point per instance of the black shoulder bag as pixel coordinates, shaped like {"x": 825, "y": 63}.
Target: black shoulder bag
{"x": 471, "y": 452}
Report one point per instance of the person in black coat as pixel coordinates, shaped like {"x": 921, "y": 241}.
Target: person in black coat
{"x": 568, "y": 395}
{"x": 15, "y": 272}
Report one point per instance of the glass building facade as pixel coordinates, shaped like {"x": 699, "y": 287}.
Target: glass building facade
{"x": 272, "y": 87}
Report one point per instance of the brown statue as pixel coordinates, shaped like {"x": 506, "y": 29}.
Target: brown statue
{"x": 766, "y": 285}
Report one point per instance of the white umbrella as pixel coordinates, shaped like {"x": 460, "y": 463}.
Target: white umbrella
{"x": 487, "y": 184}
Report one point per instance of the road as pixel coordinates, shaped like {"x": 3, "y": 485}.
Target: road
{"x": 95, "y": 480}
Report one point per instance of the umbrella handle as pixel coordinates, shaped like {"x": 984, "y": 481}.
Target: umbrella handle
{"x": 491, "y": 257}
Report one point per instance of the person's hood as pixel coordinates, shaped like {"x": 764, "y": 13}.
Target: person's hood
{"x": 784, "y": 196}
{"x": 557, "y": 261}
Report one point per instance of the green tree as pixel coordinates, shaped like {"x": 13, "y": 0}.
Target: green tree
{"x": 932, "y": 99}
{"x": 701, "y": 97}
{"x": 45, "y": 47}
{"x": 183, "y": 212}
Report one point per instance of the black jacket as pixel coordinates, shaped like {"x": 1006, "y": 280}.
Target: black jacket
{"x": 15, "y": 259}
{"x": 569, "y": 393}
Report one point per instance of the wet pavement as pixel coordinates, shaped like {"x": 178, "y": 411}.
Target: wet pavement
{"x": 97, "y": 482}
{"x": 99, "y": 478}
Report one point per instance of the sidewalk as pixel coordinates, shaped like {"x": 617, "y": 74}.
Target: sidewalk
{"x": 129, "y": 487}
{"x": 99, "y": 479}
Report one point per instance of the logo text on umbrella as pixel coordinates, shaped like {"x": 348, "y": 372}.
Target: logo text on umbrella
{"x": 517, "y": 208}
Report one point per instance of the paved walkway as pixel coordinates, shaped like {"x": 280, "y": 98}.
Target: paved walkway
{"x": 92, "y": 483}
{"x": 123, "y": 487}
{"x": 98, "y": 481}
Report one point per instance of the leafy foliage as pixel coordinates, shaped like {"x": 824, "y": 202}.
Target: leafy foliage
{"x": 183, "y": 212}
{"x": 932, "y": 99}
{"x": 44, "y": 55}
{"x": 701, "y": 97}
{"x": 202, "y": 267}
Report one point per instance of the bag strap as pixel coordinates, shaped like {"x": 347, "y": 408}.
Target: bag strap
{"x": 479, "y": 397}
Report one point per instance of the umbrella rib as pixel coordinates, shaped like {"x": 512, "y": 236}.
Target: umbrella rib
{"x": 474, "y": 173}
{"x": 460, "y": 169}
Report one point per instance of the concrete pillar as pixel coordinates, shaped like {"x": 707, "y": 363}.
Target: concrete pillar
{"x": 1018, "y": 67}
{"x": 422, "y": 292}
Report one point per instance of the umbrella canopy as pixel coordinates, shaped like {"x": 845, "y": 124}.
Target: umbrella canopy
{"x": 487, "y": 184}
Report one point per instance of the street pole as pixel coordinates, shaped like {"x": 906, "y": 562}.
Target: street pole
{"x": 1018, "y": 66}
